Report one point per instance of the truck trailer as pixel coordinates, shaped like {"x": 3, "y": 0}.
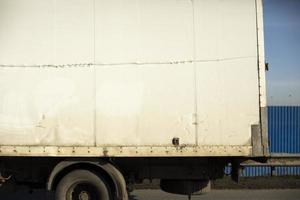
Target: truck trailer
{"x": 98, "y": 95}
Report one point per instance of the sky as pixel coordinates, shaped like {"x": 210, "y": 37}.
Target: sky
{"x": 282, "y": 48}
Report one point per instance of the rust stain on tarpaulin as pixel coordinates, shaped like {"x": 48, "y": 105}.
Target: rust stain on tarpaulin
{"x": 105, "y": 152}
{"x": 47, "y": 129}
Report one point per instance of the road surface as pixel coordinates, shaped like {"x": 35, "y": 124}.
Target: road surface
{"x": 159, "y": 195}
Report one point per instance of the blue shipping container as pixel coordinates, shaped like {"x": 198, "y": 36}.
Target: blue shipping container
{"x": 284, "y": 129}
{"x": 284, "y": 137}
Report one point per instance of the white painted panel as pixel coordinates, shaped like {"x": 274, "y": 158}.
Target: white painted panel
{"x": 225, "y": 29}
{"x": 26, "y": 31}
{"x": 40, "y": 106}
{"x": 73, "y": 24}
{"x": 227, "y": 102}
{"x": 143, "y": 31}
{"x": 46, "y": 32}
{"x": 227, "y": 82}
{"x": 145, "y": 105}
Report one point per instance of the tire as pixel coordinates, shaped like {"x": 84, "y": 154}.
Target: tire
{"x": 82, "y": 185}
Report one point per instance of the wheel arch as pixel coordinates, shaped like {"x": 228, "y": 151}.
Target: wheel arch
{"x": 107, "y": 170}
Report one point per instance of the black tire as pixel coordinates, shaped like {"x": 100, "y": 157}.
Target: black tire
{"x": 82, "y": 185}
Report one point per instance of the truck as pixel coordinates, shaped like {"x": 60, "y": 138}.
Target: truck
{"x": 99, "y": 95}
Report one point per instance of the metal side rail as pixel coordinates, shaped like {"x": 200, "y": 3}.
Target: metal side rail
{"x": 276, "y": 159}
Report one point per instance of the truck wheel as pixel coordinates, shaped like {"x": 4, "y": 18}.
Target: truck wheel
{"x": 82, "y": 185}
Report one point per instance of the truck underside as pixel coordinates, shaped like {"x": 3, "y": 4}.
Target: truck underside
{"x": 177, "y": 175}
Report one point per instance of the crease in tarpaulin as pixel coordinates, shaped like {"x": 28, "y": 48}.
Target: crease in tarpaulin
{"x": 175, "y": 62}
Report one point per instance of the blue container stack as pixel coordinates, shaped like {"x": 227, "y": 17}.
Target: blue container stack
{"x": 284, "y": 137}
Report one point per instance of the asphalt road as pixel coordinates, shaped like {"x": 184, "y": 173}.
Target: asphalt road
{"x": 159, "y": 195}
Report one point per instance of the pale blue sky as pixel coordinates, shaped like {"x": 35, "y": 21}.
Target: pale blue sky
{"x": 282, "y": 46}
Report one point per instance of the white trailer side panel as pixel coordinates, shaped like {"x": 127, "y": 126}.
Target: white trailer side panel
{"x": 227, "y": 84}
{"x": 102, "y": 77}
{"x": 143, "y": 99}
{"x": 50, "y": 106}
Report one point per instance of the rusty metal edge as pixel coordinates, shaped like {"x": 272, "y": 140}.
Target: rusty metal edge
{"x": 126, "y": 151}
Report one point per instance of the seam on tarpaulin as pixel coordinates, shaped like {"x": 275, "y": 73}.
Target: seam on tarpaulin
{"x": 195, "y": 115}
{"x": 125, "y": 63}
{"x": 95, "y": 73}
